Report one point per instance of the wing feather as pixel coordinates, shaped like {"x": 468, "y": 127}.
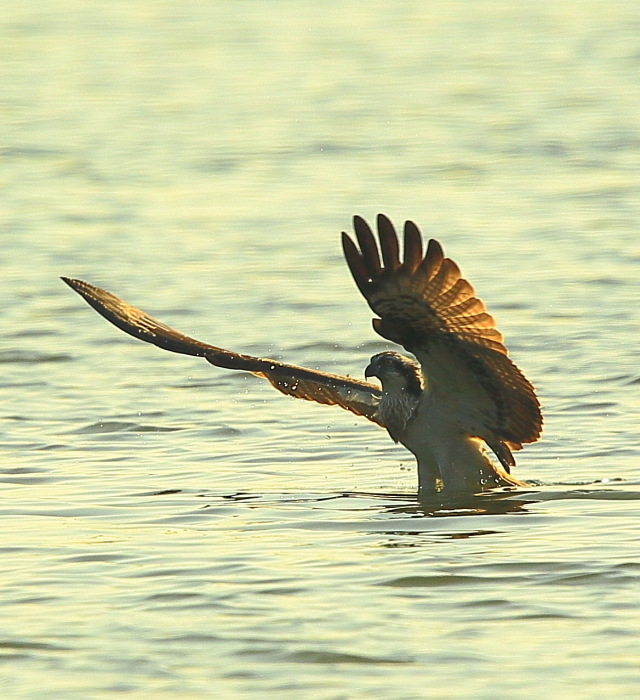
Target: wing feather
{"x": 388, "y": 243}
{"x": 412, "y": 246}
{"x": 368, "y": 245}
{"x": 468, "y": 307}
{"x": 433, "y": 259}
{"x": 430, "y": 309}
{"x": 460, "y": 291}
{"x": 356, "y": 264}
{"x": 354, "y": 395}
{"x": 442, "y": 281}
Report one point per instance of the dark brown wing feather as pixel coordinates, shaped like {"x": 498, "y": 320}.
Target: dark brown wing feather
{"x": 426, "y": 305}
{"x": 356, "y": 396}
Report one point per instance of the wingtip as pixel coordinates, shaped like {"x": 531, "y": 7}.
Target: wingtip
{"x": 348, "y": 246}
{"x": 73, "y": 283}
{"x": 434, "y": 248}
{"x": 433, "y": 259}
{"x": 357, "y": 219}
{"x": 412, "y": 246}
{"x": 81, "y": 287}
{"x": 388, "y": 242}
{"x": 384, "y": 220}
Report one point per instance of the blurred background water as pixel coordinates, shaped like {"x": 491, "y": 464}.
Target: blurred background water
{"x": 171, "y": 530}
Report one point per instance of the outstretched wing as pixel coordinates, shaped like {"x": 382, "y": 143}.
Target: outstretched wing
{"x": 426, "y": 305}
{"x": 356, "y": 396}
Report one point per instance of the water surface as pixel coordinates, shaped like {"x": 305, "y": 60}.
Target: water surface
{"x": 171, "y": 530}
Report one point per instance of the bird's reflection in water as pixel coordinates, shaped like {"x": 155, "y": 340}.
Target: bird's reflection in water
{"x": 374, "y": 506}
{"x": 497, "y": 502}
{"x": 406, "y": 539}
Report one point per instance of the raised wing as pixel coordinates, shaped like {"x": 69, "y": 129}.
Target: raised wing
{"x": 356, "y": 396}
{"x": 426, "y": 305}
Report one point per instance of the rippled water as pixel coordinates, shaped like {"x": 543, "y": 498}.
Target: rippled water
{"x": 171, "y": 530}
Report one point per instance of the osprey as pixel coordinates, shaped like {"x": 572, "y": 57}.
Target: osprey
{"x": 462, "y": 393}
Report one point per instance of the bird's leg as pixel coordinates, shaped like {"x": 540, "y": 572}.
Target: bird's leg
{"x": 429, "y": 479}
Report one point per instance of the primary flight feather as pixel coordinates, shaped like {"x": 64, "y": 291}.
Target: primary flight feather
{"x": 464, "y": 391}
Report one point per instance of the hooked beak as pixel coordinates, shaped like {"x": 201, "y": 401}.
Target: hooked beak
{"x": 370, "y": 372}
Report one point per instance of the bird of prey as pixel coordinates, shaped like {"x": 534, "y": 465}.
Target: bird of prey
{"x": 462, "y": 393}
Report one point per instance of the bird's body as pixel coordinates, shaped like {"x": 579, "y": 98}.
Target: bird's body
{"x": 425, "y": 420}
{"x": 462, "y": 393}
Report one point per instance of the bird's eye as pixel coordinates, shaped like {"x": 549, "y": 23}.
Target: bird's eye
{"x": 388, "y": 363}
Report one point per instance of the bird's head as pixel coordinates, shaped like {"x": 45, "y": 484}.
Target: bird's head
{"x": 396, "y": 372}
